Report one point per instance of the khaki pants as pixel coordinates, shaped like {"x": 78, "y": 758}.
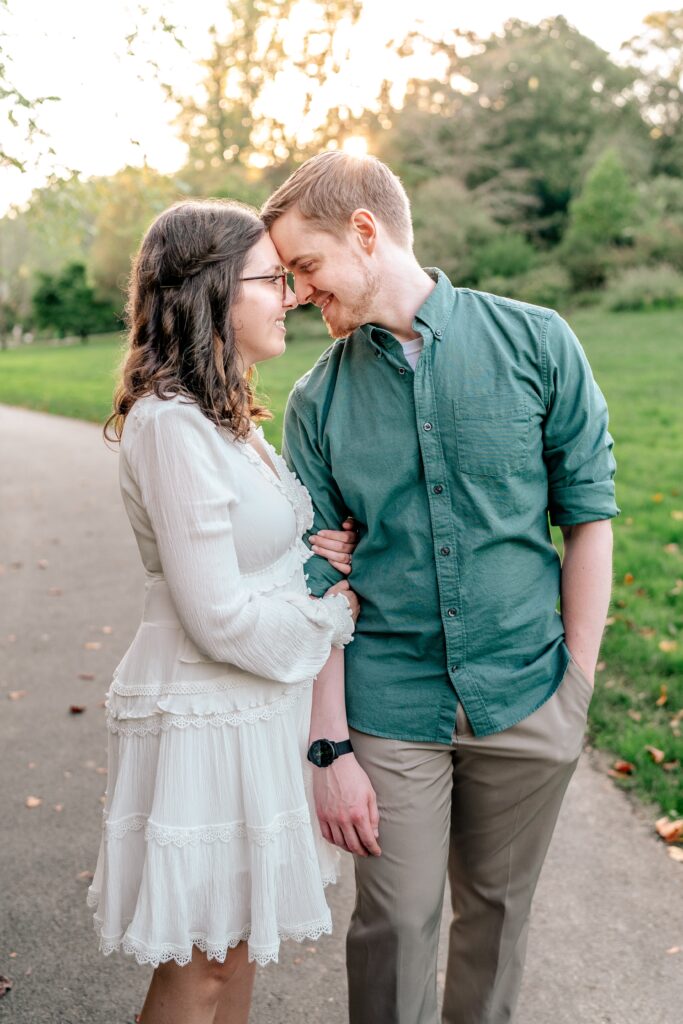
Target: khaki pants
{"x": 483, "y": 809}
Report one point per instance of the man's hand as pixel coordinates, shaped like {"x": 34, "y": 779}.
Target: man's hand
{"x": 343, "y": 588}
{"x": 346, "y": 806}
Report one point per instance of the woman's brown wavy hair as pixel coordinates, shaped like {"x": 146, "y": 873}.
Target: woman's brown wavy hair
{"x": 184, "y": 281}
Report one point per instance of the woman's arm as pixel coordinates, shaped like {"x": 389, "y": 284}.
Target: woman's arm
{"x": 179, "y": 461}
{"x": 345, "y": 801}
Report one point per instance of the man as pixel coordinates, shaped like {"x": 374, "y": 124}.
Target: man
{"x": 451, "y": 424}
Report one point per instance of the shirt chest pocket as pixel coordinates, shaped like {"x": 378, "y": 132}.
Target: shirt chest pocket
{"x": 492, "y": 434}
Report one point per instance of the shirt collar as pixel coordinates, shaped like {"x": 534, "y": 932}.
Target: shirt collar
{"x": 434, "y": 313}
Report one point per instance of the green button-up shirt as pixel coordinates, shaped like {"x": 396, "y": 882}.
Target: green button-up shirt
{"x": 452, "y": 472}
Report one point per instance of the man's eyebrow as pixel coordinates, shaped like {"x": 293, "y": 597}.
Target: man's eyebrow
{"x": 301, "y": 259}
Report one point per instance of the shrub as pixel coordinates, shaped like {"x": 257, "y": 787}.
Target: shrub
{"x": 645, "y": 288}
{"x": 508, "y": 255}
{"x": 546, "y": 285}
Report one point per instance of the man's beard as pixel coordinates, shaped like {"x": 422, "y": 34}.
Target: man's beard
{"x": 349, "y": 318}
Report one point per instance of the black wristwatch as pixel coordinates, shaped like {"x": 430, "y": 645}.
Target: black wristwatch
{"x": 322, "y": 753}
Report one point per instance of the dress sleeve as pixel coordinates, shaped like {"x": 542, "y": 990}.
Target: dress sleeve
{"x": 184, "y": 479}
{"x": 577, "y": 445}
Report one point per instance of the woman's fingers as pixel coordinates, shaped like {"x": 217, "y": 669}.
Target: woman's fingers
{"x": 340, "y": 566}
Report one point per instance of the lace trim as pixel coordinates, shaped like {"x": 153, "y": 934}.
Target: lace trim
{"x": 155, "y": 724}
{"x": 214, "y": 950}
{"x": 165, "y": 689}
{"x": 342, "y": 619}
{"x": 260, "y": 835}
{"x": 284, "y": 480}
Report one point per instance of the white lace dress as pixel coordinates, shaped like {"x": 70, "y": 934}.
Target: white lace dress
{"x": 209, "y": 834}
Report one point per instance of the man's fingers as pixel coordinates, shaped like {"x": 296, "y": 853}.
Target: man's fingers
{"x": 367, "y": 836}
{"x": 325, "y": 830}
{"x": 338, "y": 837}
{"x": 354, "y": 843}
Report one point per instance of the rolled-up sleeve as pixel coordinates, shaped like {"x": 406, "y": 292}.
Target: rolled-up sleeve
{"x": 577, "y": 445}
{"x": 303, "y": 456}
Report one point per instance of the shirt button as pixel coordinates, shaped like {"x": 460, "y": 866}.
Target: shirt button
{"x": 446, "y": 551}
{"x": 452, "y": 612}
{"x": 437, "y": 489}
{"x": 378, "y": 354}
{"x": 401, "y": 370}
{"x": 426, "y": 426}
{"x": 454, "y": 668}
{"x": 437, "y": 334}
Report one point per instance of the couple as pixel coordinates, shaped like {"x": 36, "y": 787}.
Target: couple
{"x": 451, "y": 425}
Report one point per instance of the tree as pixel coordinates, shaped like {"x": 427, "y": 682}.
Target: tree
{"x": 67, "y": 304}
{"x": 600, "y": 218}
{"x": 658, "y": 52}
{"x": 17, "y": 108}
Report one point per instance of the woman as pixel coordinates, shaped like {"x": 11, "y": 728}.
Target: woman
{"x": 209, "y": 844}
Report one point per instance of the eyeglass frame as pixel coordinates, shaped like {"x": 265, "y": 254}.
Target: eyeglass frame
{"x": 271, "y": 277}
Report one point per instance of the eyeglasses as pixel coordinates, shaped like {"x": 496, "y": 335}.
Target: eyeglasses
{"x": 283, "y": 278}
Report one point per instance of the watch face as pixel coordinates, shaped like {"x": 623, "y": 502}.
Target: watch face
{"x": 321, "y": 753}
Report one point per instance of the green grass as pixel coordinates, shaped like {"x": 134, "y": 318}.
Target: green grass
{"x": 638, "y": 361}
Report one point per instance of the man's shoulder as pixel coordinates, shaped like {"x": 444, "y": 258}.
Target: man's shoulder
{"x": 317, "y": 382}
{"x": 502, "y": 304}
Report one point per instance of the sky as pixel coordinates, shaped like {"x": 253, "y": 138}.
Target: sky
{"x": 112, "y": 111}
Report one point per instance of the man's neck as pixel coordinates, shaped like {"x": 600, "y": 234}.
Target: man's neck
{"x": 405, "y": 289}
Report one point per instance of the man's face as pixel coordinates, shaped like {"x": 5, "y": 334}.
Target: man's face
{"x": 334, "y": 273}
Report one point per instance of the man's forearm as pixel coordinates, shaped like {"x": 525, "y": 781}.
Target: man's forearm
{"x": 328, "y": 713}
{"x": 586, "y": 588}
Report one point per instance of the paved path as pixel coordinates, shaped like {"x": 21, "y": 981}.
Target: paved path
{"x": 610, "y": 901}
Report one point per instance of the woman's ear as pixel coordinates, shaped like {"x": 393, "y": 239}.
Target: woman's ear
{"x": 364, "y": 226}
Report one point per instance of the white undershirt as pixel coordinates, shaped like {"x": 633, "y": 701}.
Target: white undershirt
{"x": 412, "y": 349}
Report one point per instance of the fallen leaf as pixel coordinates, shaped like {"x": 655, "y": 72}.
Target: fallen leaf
{"x": 87, "y": 676}
{"x": 663, "y": 696}
{"x": 676, "y": 853}
{"x": 5, "y": 985}
{"x": 655, "y": 753}
{"x": 107, "y": 630}
{"x": 635, "y": 715}
{"x": 33, "y": 801}
{"x": 92, "y": 645}
{"x": 668, "y": 646}
{"x": 100, "y": 770}
{"x": 13, "y": 955}
{"x": 610, "y": 620}
{"x": 67, "y": 775}
{"x": 55, "y": 592}
{"x": 671, "y": 766}
{"x": 629, "y": 578}
{"x": 42, "y": 563}
{"x": 16, "y": 694}
{"x": 85, "y": 876}
{"x": 648, "y": 632}
{"x": 671, "y": 549}
{"x": 31, "y": 764}
{"x": 677, "y": 514}
{"x": 670, "y": 831}
{"x": 601, "y": 666}
{"x": 657, "y": 497}
{"x": 76, "y": 709}
{"x": 674, "y": 949}
{"x": 58, "y": 807}
{"x": 621, "y": 768}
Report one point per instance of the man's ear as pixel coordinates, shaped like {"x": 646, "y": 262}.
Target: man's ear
{"x": 364, "y": 226}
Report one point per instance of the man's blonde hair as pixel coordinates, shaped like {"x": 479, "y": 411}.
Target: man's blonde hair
{"x": 328, "y": 188}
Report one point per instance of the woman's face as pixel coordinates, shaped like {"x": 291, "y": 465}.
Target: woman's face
{"x": 258, "y": 318}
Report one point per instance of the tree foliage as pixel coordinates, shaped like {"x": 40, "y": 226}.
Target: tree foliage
{"x": 67, "y": 304}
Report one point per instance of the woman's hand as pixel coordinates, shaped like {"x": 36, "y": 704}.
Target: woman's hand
{"x": 337, "y": 546}
{"x": 343, "y": 588}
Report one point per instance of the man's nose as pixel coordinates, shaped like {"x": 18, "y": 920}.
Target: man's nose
{"x": 303, "y": 291}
